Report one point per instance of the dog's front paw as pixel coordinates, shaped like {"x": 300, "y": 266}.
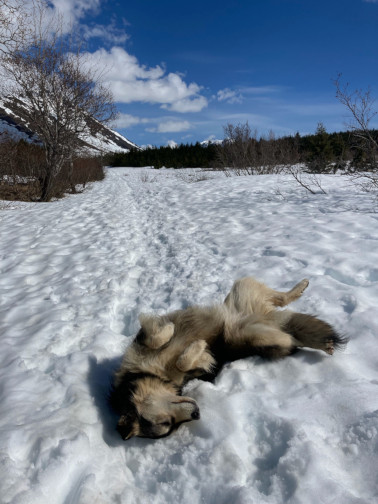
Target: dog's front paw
{"x": 163, "y": 336}
{"x": 195, "y": 356}
{"x": 157, "y": 330}
{"x": 206, "y": 362}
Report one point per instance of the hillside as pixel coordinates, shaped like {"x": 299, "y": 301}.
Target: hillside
{"x": 101, "y": 140}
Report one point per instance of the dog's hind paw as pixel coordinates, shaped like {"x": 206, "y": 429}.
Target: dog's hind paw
{"x": 302, "y": 285}
{"x": 329, "y": 347}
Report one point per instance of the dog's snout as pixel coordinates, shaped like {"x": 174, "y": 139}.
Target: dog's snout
{"x": 196, "y": 414}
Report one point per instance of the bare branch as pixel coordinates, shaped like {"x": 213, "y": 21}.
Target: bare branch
{"x": 310, "y": 183}
{"x": 17, "y": 22}
{"x": 360, "y": 105}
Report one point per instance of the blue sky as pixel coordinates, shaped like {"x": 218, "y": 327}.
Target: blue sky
{"x": 180, "y": 71}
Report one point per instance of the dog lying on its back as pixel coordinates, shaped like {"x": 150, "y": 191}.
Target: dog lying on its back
{"x": 169, "y": 350}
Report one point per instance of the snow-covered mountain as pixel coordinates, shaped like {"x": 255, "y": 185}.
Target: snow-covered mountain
{"x": 211, "y": 141}
{"x": 102, "y": 139}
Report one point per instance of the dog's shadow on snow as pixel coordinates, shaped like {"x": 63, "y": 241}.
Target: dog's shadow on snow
{"x": 100, "y": 378}
{"x": 310, "y": 356}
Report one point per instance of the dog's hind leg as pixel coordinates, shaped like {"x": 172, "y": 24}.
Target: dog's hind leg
{"x": 260, "y": 335}
{"x": 308, "y": 331}
{"x": 255, "y": 335}
{"x": 248, "y": 296}
{"x": 156, "y": 330}
{"x": 284, "y": 298}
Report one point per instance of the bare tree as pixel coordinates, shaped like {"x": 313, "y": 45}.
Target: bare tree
{"x": 360, "y": 105}
{"x": 57, "y": 95}
{"x": 16, "y": 28}
{"x": 237, "y": 152}
{"x": 243, "y": 154}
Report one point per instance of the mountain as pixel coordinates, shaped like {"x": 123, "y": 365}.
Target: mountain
{"x": 100, "y": 140}
{"x": 211, "y": 141}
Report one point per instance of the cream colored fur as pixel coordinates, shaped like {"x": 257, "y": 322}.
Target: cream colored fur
{"x": 173, "y": 348}
{"x": 248, "y": 314}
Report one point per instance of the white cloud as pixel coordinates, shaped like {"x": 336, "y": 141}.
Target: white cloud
{"x": 170, "y": 126}
{"x": 74, "y": 10}
{"x": 128, "y": 120}
{"x": 132, "y": 82}
{"x": 229, "y": 96}
{"x": 306, "y": 109}
{"x": 260, "y": 90}
{"x": 158, "y": 125}
{"x": 187, "y": 105}
{"x": 129, "y": 80}
{"x": 107, "y": 33}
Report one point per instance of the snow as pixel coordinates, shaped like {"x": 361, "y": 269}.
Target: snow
{"x": 75, "y": 274}
{"x": 98, "y": 142}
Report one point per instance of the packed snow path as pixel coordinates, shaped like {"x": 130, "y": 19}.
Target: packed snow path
{"x": 76, "y": 273}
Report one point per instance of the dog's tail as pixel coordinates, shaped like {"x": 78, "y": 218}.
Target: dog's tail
{"x": 309, "y": 331}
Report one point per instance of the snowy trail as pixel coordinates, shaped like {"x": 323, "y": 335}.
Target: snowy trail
{"x": 75, "y": 274}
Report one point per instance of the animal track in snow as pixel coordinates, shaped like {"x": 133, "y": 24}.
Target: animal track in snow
{"x": 273, "y": 438}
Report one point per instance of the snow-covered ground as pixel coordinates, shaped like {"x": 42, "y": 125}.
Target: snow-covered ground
{"x": 75, "y": 273}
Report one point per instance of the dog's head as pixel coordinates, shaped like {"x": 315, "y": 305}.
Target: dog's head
{"x": 153, "y": 409}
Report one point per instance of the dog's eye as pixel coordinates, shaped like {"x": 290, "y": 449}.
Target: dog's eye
{"x": 165, "y": 424}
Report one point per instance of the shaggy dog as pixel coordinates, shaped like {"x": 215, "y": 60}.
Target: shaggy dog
{"x": 169, "y": 350}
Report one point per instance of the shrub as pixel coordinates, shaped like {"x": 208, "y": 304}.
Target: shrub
{"x": 23, "y": 168}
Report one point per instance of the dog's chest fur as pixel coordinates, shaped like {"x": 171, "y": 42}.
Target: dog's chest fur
{"x": 207, "y": 324}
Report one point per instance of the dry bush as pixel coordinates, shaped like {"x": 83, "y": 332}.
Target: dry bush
{"x": 23, "y": 167}
{"x": 20, "y": 167}
{"x": 237, "y": 152}
{"x": 242, "y": 153}
{"x": 193, "y": 177}
{"x": 147, "y": 178}
{"x": 362, "y": 110}
{"x": 70, "y": 178}
{"x": 309, "y": 181}
{"x": 84, "y": 170}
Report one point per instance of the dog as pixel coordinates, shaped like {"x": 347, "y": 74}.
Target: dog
{"x": 197, "y": 341}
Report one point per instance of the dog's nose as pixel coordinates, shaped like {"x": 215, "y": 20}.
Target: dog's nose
{"x": 196, "y": 414}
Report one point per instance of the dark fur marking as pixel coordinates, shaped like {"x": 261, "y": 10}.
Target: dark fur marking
{"x": 309, "y": 329}
{"x": 224, "y": 353}
{"x": 140, "y": 337}
{"x": 120, "y": 396}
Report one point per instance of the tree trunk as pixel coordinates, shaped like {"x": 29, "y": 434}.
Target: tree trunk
{"x": 70, "y": 174}
{"x": 46, "y": 186}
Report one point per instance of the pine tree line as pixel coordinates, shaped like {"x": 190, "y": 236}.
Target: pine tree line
{"x": 182, "y": 156}
{"x": 320, "y": 152}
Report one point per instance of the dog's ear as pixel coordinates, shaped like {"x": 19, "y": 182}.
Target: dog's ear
{"x": 128, "y": 426}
